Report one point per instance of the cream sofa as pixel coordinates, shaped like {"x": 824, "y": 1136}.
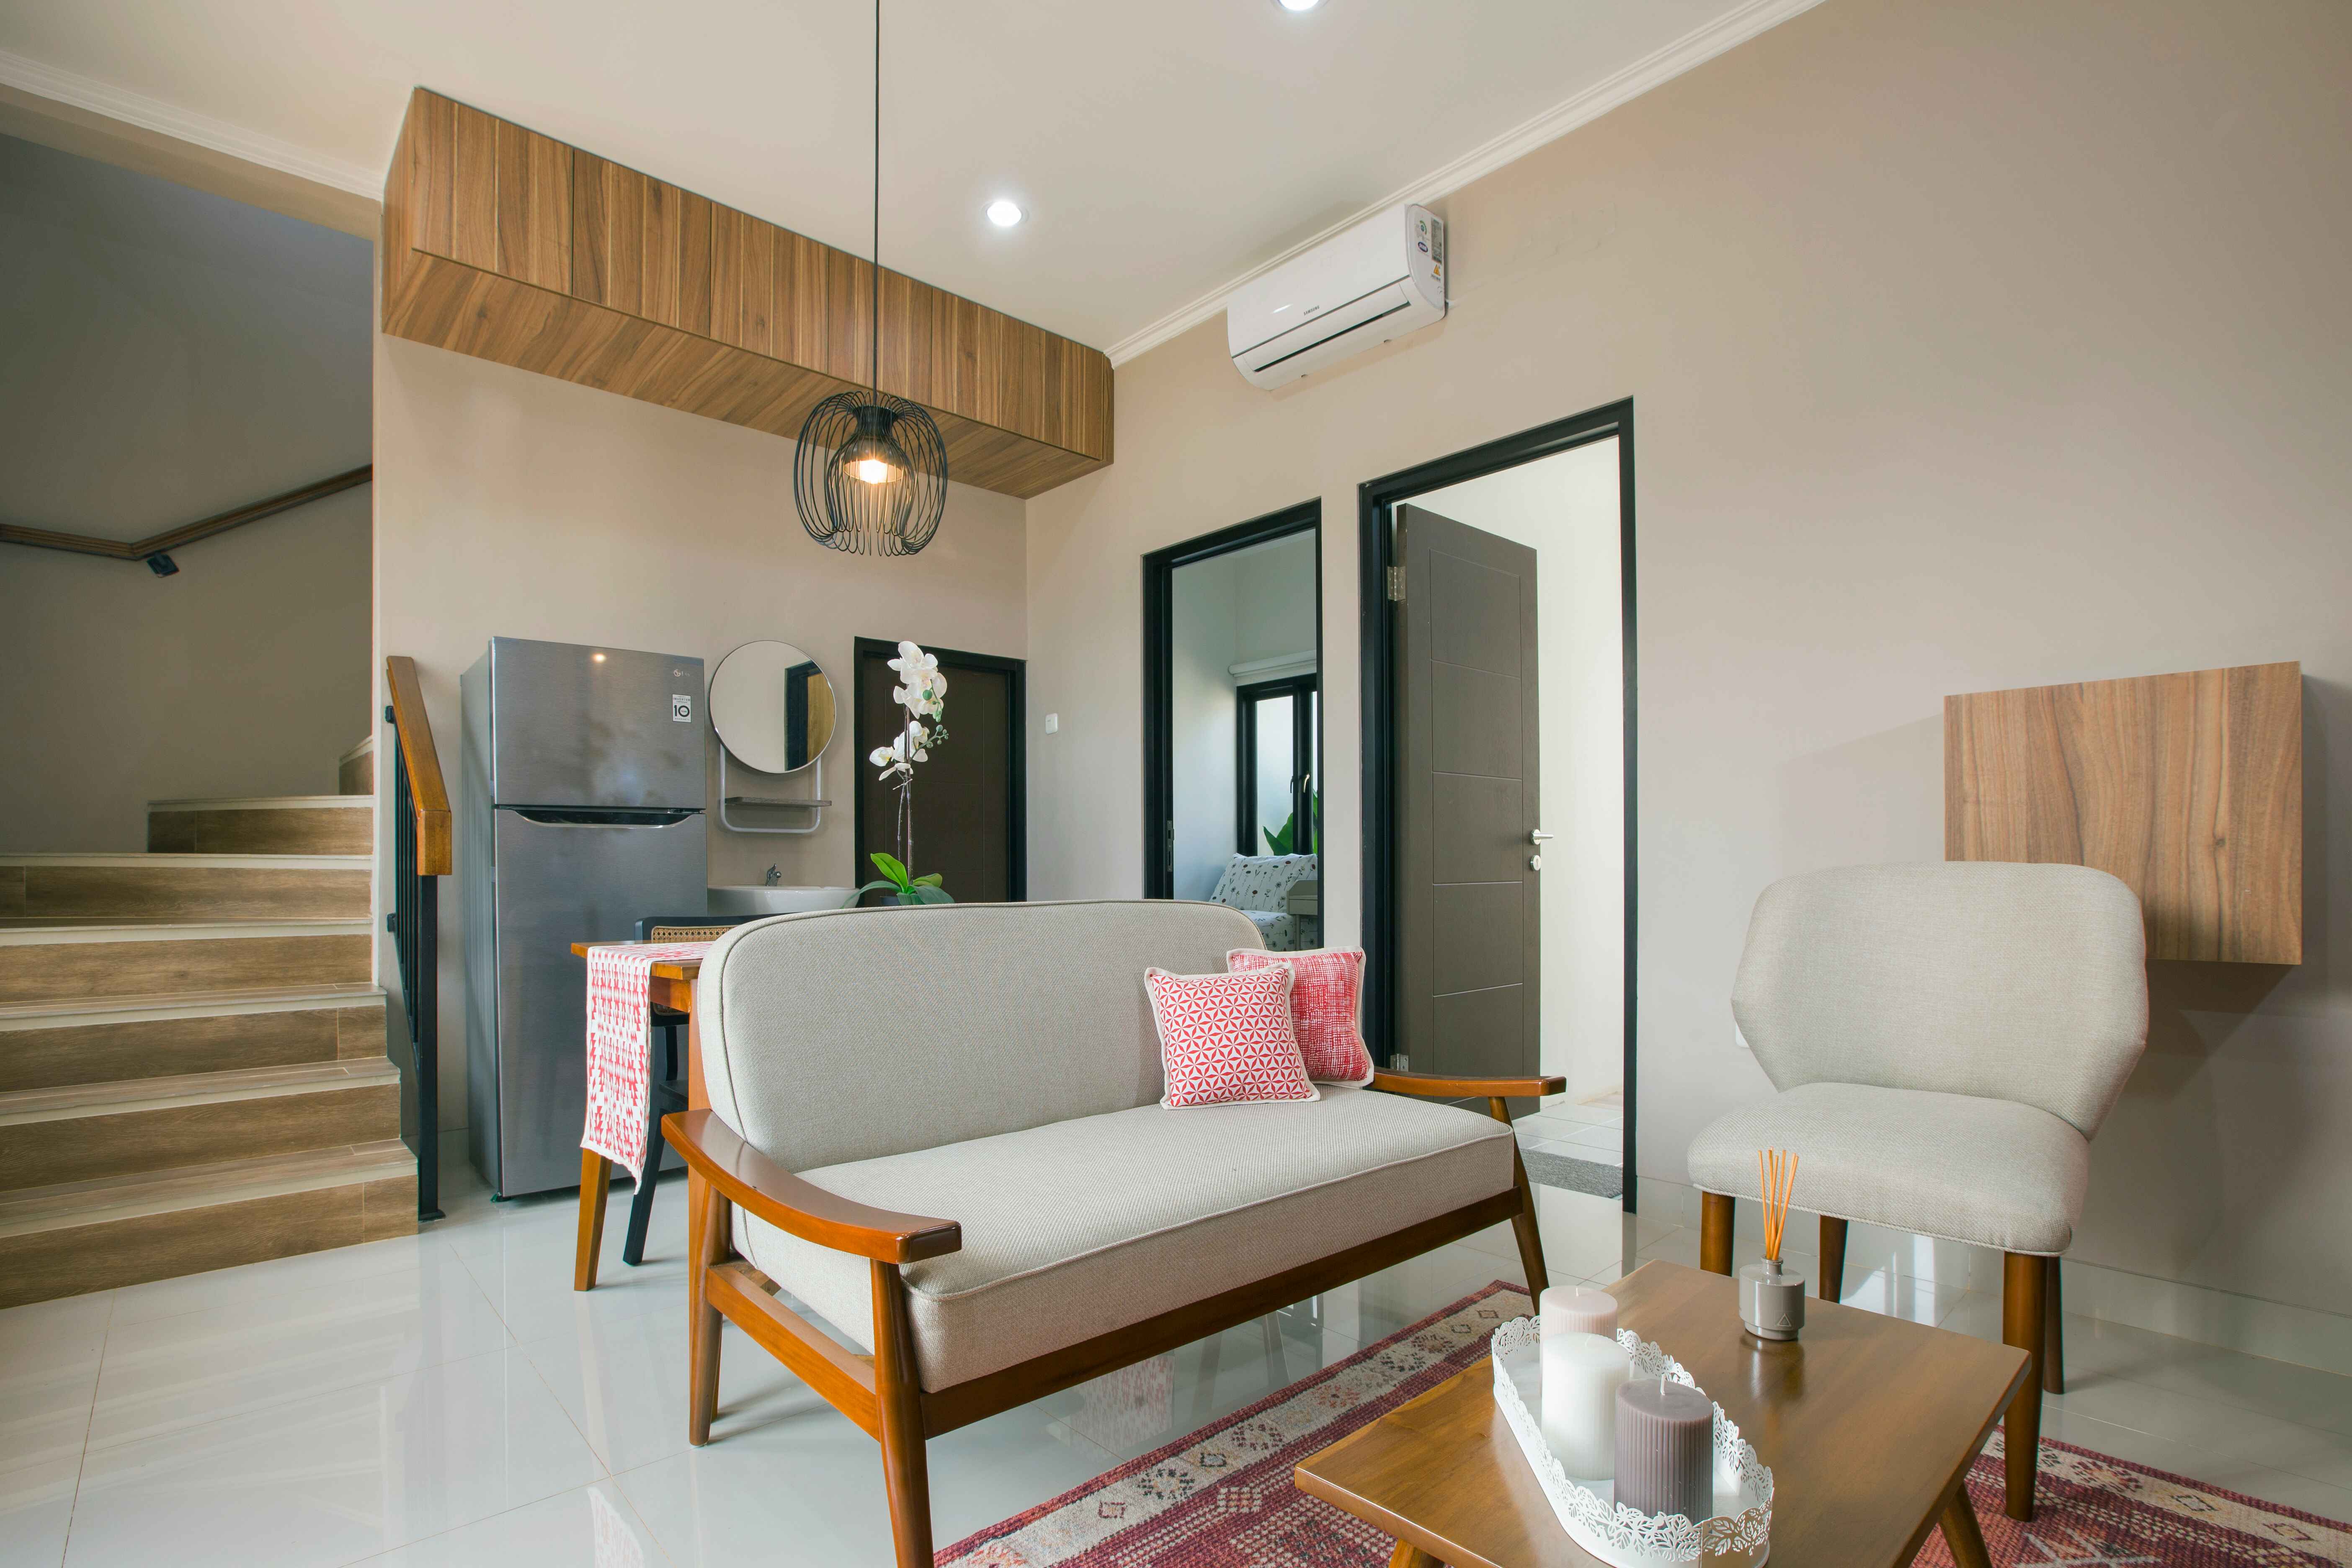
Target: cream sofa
{"x": 996, "y": 1066}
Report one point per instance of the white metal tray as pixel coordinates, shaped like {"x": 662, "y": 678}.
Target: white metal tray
{"x": 1736, "y": 1535}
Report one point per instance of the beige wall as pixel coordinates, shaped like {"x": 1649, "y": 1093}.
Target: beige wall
{"x": 1972, "y": 346}
{"x": 246, "y": 674}
{"x": 518, "y": 505}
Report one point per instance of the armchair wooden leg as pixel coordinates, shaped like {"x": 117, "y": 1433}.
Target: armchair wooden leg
{"x": 709, "y": 1219}
{"x": 1962, "y": 1537}
{"x": 1716, "y": 1214}
{"x": 1833, "y": 1283}
{"x": 595, "y": 1188}
{"x": 2022, "y": 1324}
{"x": 2053, "y": 1336}
{"x": 1523, "y": 1224}
{"x": 906, "y": 1466}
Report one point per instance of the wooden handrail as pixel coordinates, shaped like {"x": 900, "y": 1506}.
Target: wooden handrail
{"x": 422, "y": 762}
{"x": 186, "y": 533}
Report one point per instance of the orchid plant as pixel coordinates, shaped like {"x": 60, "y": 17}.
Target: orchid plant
{"x": 922, "y": 692}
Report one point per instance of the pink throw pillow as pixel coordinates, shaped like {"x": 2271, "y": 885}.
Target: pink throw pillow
{"x": 1225, "y": 1038}
{"x": 1323, "y": 991}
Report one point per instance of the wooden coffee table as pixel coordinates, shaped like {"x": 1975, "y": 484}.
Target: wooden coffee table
{"x": 1869, "y": 1424}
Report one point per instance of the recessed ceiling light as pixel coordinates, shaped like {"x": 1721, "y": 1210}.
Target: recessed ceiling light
{"x": 1298, "y": 5}
{"x": 1005, "y": 214}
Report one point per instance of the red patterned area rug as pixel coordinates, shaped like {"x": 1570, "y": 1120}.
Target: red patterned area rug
{"x": 1222, "y": 1497}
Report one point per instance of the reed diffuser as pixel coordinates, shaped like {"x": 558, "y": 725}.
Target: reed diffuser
{"x": 1771, "y": 1298}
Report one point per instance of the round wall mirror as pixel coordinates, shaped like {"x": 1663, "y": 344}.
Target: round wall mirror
{"x": 772, "y": 707}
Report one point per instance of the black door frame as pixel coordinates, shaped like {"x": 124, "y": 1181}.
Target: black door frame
{"x": 1159, "y": 670}
{"x": 1305, "y": 692}
{"x": 1017, "y": 753}
{"x": 1376, "y": 504}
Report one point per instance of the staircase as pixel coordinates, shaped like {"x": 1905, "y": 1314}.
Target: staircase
{"x": 192, "y": 1048}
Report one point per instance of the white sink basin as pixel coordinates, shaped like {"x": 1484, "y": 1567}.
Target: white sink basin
{"x": 758, "y": 900}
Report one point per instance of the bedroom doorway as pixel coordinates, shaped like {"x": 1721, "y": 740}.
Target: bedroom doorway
{"x": 1498, "y": 777}
{"x": 1233, "y": 722}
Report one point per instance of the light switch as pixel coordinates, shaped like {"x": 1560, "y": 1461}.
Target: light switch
{"x": 1053, "y": 723}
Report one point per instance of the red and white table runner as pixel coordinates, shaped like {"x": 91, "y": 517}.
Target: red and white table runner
{"x": 620, "y": 1046}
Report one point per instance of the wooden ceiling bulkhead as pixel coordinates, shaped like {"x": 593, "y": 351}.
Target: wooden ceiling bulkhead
{"x": 506, "y": 244}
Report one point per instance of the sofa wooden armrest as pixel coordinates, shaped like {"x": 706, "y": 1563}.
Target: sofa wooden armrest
{"x": 758, "y": 1186}
{"x": 1435, "y": 1087}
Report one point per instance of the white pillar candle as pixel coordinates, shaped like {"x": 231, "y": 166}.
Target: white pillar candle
{"x": 1581, "y": 1373}
{"x": 1576, "y": 1310}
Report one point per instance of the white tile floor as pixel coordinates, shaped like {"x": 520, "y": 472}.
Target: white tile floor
{"x": 447, "y": 1400}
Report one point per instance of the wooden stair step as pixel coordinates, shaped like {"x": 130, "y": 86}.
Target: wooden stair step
{"x": 69, "y": 1237}
{"x": 66, "y": 960}
{"x": 90, "y": 1132}
{"x": 192, "y": 886}
{"x": 46, "y": 1044}
{"x": 263, "y": 825}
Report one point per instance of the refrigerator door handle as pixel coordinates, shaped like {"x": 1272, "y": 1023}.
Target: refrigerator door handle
{"x": 589, "y": 817}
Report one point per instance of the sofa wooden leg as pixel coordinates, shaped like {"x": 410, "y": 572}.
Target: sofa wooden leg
{"x": 1716, "y": 1214}
{"x": 1833, "y": 1282}
{"x": 905, "y": 1469}
{"x": 2054, "y": 1335}
{"x": 1962, "y": 1537}
{"x": 1523, "y": 1224}
{"x": 708, "y": 1218}
{"x": 2022, "y": 1324}
{"x": 595, "y": 1188}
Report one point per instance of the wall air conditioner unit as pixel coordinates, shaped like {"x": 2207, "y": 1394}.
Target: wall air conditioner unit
{"x": 1383, "y": 279}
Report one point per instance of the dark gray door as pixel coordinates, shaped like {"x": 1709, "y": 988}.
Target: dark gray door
{"x": 1467, "y": 800}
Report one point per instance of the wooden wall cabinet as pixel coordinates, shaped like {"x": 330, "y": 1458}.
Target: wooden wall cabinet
{"x": 509, "y": 246}
{"x": 2188, "y": 787}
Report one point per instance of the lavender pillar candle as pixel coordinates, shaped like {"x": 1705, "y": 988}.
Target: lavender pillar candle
{"x": 1666, "y": 1448}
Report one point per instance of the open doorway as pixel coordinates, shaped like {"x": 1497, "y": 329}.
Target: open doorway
{"x": 1232, "y": 723}
{"x": 1499, "y": 754}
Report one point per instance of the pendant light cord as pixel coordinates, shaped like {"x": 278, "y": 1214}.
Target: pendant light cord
{"x": 875, "y": 335}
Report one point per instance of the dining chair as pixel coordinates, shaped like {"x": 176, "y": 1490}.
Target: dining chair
{"x": 1944, "y": 1041}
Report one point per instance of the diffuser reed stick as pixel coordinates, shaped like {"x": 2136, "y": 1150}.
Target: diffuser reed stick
{"x": 1776, "y": 1170}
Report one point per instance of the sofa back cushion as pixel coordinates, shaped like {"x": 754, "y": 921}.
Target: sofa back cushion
{"x": 853, "y": 1033}
{"x": 1261, "y": 881}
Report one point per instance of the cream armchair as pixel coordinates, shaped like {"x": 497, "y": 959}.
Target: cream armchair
{"x": 1945, "y": 1040}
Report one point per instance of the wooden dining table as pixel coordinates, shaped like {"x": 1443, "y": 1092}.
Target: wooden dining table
{"x": 673, "y": 988}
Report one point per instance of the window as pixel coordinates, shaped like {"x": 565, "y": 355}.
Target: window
{"x": 1281, "y": 769}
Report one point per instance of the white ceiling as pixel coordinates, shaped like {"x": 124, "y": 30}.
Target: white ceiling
{"x": 1162, "y": 151}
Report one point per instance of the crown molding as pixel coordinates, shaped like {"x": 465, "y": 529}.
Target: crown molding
{"x": 119, "y": 103}
{"x": 1703, "y": 44}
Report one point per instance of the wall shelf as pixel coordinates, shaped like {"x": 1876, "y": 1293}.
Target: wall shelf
{"x": 2188, "y": 787}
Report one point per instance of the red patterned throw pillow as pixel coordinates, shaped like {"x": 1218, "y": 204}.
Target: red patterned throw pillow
{"x": 1226, "y": 1037}
{"x": 1323, "y": 990}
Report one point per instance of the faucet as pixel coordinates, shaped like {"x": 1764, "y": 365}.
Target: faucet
{"x": 775, "y": 878}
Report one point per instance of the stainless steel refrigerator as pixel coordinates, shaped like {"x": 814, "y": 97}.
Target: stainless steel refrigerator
{"x": 581, "y": 814}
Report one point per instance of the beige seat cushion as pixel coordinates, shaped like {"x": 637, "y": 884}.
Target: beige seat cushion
{"x": 1082, "y": 1226}
{"x": 1988, "y": 1172}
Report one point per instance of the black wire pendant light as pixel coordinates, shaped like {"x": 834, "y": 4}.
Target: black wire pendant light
{"x": 871, "y": 476}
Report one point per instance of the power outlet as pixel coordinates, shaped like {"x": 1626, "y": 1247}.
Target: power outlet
{"x": 1053, "y": 723}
